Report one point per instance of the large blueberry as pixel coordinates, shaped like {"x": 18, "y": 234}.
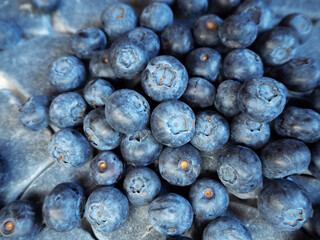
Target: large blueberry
{"x": 10, "y": 34}
{"x": 100, "y": 65}
{"x": 173, "y": 123}
{"x": 127, "y": 111}
{"x": 171, "y": 214}
{"x": 97, "y": 91}
{"x": 192, "y": 8}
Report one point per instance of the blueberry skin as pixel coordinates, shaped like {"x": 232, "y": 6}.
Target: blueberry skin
{"x": 212, "y": 131}
{"x": 67, "y": 110}
{"x": 127, "y": 111}
{"x": 314, "y": 166}
{"x": 171, "y": 214}
{"x": 98, "y": 132}
{"x": 177, "y": 40}
{"x": 199, "y": 93}
{"x": 209, "y": 199}
{"x": 69, "y": 148}
{"x": 301, "y": 74}
{"x": 67, "y": 73}
{"x": 238, "y": 31}
{"x": 178, "y": 238}
{"x": 128, "y": 58}
{"x": 169, "y": 2}
{"x": 239, "y": 169}
{"x": 107, "y": 209}
{"x": 100, "y": 65}
{"x": 173, "y": 123}
{"x": 180, "y": 166}
{"x": 10, "y": 34}
{"x": 315, "y": 99}
{"x": 192, "y": 8}
{"x": 226, "y": 98}
{"x": 284, "y": 157}
{"x": 205, "y": 30}
{"x": 277, "y": 46}
{"x": 262, "y": 99}
{"x": 316, "y": 220}
{"x": 97, "y": 91}
{"x": 141, "y": 185}
{"x": 117, "y": 19}
{"x": 300, "y": 23}
{"x": 148, "y": 38}
{"x": 226, "y": 228}
{"x": 242, "y": 65}
{"x": 156, "y": 16}
{"x": 253, "y": 134}
{"x": 164, "y": 78}
{"x": 204, "y": 62}
{"x": 34, "y": 113}
{"x": 140, "y": 148}
{"x": 63, "y": 207}
{"x": 19, "y": 220}
{"x": 87, "y": 42}
{"x": 106, "y": 168}
{"x": 4, "y": 172}
{"x": 284, "y": 205}
{"x": 300, "y": 123}
{"x": 45, "y": 6}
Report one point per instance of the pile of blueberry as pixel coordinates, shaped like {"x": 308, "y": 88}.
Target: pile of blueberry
{"x": 144, "y": 96}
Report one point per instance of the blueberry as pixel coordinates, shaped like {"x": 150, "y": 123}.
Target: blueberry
{"x": 97, "y": 91}
{"x": 314, "y": 166}
{"x": 169, "y": 2}
{"x": 34, "y": 113}
{"x": 149, "y": 40}
{"x": 69, "y": 148}
{"x": 67, "y": 110}
{"x": 4, "y": 172}
{"x": 192, "y": 8}
{"x": 164, "y": 78}
{"x": 316, "y": 220}
{"x": 46, "y": 6}
{"x": 10, "y": 34}
{"x": 63, "y": 207}
{"x": 177, "y": 40}
{"x": 199, "y": 93}
{"x": 171, "y": 214}
{"x": 67, "y": 73}
{"x": 284, "y": 157}
{"x": 117, "y": 19}
{"x": 127, "y": 111}
{"x": 277, "y": 46}
{"x": 300, "y": 23}
{"x": 19, "y": 220}
{"x": 204, "y": 62}
{"x": 315, "y": 99}
{"x": 209, "y": 199}
{"x": 251, "y": 133}
{"x": 107, "y": 209}
{"x": 128, "y": 58}
{"x": 224, "y": 7}
{"x": 242, "y": 64}
{"x": 226, "y": 228}
{"x": 100, "y": 65}
{"x": 226, "y": 98}
{"x": 99, "y": 133}
{"x": 173, "y": 123}
{"x": 262, "y": 99}
{"x": 299, "y": 123}
{"x": 205, "y": 30}
{"x": 156, "y": 16}
{"x": 140, "y": 148}
{"x": 212, "y": 131}
{"x": 301, "y": 74}
{"x": 180, "y": 166}
{"x": 238, "y": 31}
{"x": 106, "y": 168}
{"x": 239, "y": 169}
{"x": 284, "y": 205}
{"x": 141, "y": 185}
{"x": 87, "y": 42}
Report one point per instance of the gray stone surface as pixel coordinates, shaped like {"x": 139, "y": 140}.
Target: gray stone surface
{"x": 26, "y": 66}
{"x": 75, "y": 234}
{"x": 24, "y": 151}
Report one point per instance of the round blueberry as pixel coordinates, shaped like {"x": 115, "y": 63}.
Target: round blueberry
{"x": 127, "y": 111}
{"x": 96, "y": 92}
{"x": 46, "y": 6}
{"x": 67, "y": 73}
{"x": 100, "y": 65}
{"x": 192, "y": 8}
{"x": 10, "y": 34}
{"x": 171, "y": 214}
{"x": 69, "y": 148}
{"x": 164, "y": 78}
{"x": 67, "y": 110}
{"x": 141, "y": 185}
{"x": 173, "y": 123}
